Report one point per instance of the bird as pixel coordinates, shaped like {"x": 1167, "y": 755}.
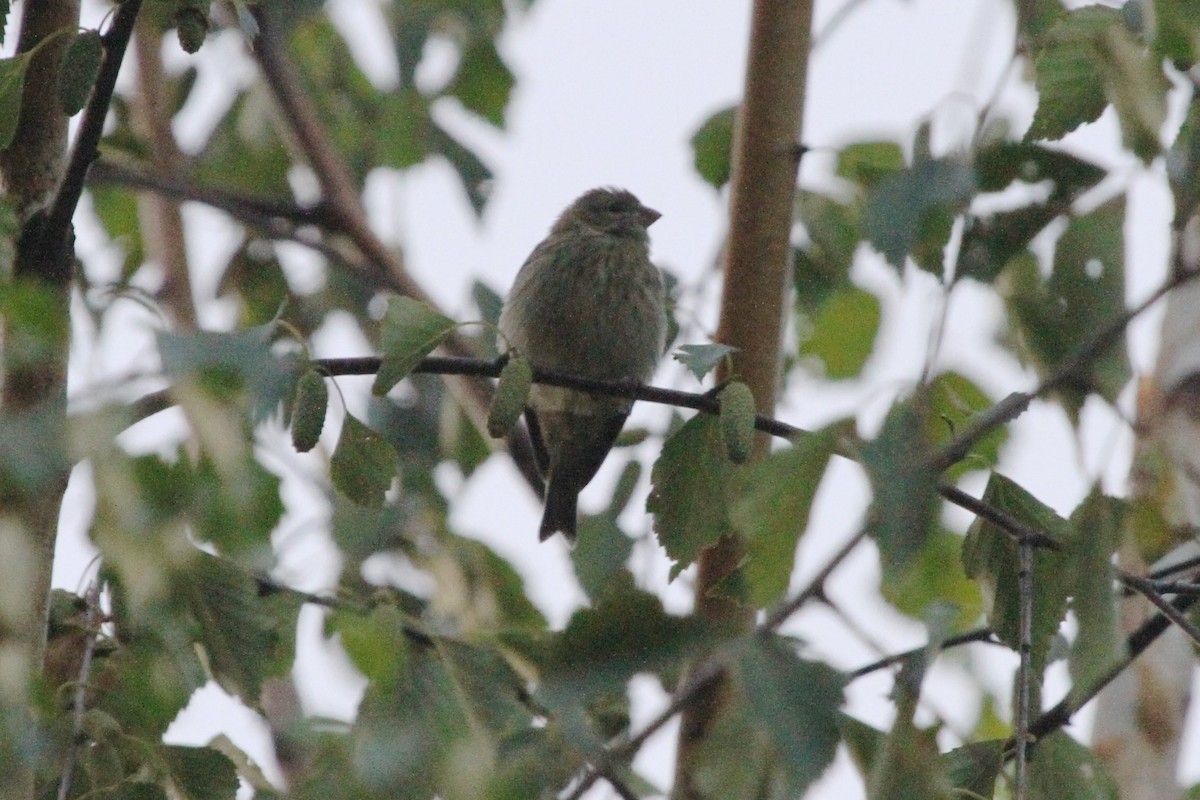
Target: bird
{"x": 588, "y": 301}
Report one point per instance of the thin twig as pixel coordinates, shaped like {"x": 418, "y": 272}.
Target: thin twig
{"x": 980, "y": 635}
{"x": 1148, "y": 590}
{"x": 1015, "y": 404}
{"x": 1024, "y": 667}
{"x": 80, "y": 704}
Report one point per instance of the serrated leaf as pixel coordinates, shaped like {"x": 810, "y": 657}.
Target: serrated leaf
{"x": 795, "y": 702}
{"x": 935, "y": 576}
{"x": 712, "y": 146}
{"x": 822, "y": 263}
{"x": 512, "y": 390}
{"x": 600, "y": 554}
{"x": 474, "y": 175}
{"x": 1063, "y": 769}
{"x": 689, "y": 495}
{"x": 905, "y": 504}
{"x": 308, "y": 410}
{"x": 603, "y": 647}
{"x": 842, "y": 333}
{"x": 236, "y": 635}
{"x": 483, "y": 82}
{"x": 999, "y": 165}
{"x": 410, "y": 331}
{"x": 990, "y": 243}
{"x": 80, "y": 65}
{"x": 377, "y": 643}
{"x": 224, "y": 364}
{"x": 771, "y": 512}
{"x": 903, "y": 206}
{"x": 1136, "y": 86}
{"x": 363, "y": 465}
{"x": 490, "y": 689}
{"x": 1095, "y": 533}
{"x": 954, "y": 401}
{"x": 973, "y": 768}
{"x": 12, "y": 85}
{"x": 700, "y": 359}
{"x": 990, "y": 557}
{"x": 737, "y": 420}
{"x": 1083, "y": 295}
{"x": 1069, "y": 83}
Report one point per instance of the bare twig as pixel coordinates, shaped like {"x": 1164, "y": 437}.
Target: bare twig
{"x": 1024, "y": 667}
{"x": 92, "y": 622}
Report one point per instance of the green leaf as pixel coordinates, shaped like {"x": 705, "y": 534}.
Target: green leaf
{"x": 1069, "y": 84}
{"x": 1177, "y": 32}
{"x": 866, "y": 163}
{"x": 973, "y": 768}
{"x": 935, "y": 576}
{"x": 80, "y": 65}
{"x": 1136, "y": 86}
{"x": 904, "y": 509}
{"x": 990, "y": 557}
{"x": 483, "y": 82}
{"x": 363, "y": 465}
{"x": 200, "y": 773}
{"x": 602, "y": 647}
{"x": 772, "y": 508}
{"x": 842, "y": 333}
{"x": 117, "y": 209}
{"x": 795, "y": 702}
{"x": 712, "y": 147}
{"x": 1063, "y": 769}
{"x": 999, "y": 165}
{"x": 700, "y": 359}
{"x": 235, "y": 505}
{"x": 690, "y": 487}
{"x": 989, "y": 244}
{"x": 377, "y": 643}
{"x": 410, "y": 331}
{"x": 409, "y": 730}
{"x": 490, "y": 689}
{"x": 907, "y": 207}
{"x": 1084, "y": 294}
{"x": 1096, "y": 531}
{"x": 402, "y": 130}
{"x": 822, "y": 262}
{"x": 12, "y": 85}
{"x": 954, "y": 401}
{"x": 600, "y": 554}
{"x": 474, "y": 175}
{"x": 236, "y": 635}
{"x": 224, "y": 364}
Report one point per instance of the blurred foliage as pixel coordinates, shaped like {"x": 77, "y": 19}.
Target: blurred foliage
{"x": 469, "y": 691}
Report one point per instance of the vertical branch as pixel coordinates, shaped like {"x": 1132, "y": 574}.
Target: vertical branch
{"x": 30, "y": 169}
{"x": 1024, "y": 672}
{"x": 162, "y": 223}
{"x": 37, "y": 332}
{"x": 757, "y": 272}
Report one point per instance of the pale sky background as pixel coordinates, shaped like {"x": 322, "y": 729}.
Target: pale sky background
{"x": 609, "y": 92}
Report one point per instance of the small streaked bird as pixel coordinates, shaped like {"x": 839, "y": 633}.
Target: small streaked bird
{"x": 586, "y": 302}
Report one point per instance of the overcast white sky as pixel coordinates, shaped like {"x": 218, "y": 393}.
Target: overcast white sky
{"x": 609, "y": 92}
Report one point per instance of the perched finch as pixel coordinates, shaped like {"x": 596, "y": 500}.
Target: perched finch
{"x": 586, "y": 302}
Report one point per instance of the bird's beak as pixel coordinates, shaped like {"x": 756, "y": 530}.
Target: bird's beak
{"x": 647, "y": 216}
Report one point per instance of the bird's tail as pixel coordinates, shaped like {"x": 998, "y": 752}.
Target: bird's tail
{"x": 561, "y": 511}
